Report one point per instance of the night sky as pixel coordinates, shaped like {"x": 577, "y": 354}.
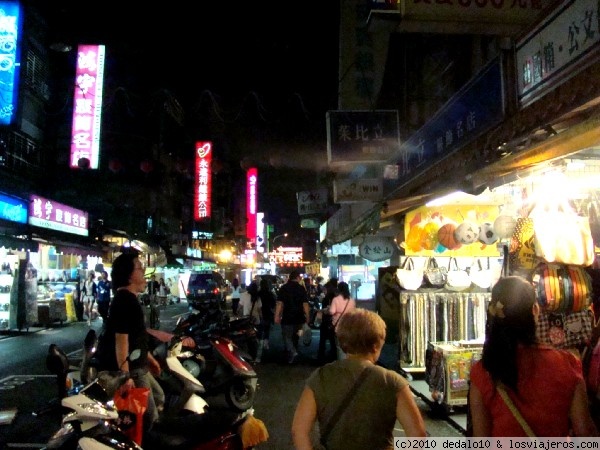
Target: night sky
{"x": 255, "y": 77}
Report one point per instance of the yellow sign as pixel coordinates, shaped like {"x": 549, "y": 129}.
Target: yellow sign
{"x": 451, "y": 230}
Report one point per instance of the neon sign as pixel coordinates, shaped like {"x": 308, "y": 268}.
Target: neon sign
{"x": 10, "y": 36}
{"x": 251, "y": 203}
{"x": 87, "y": 106}
{"x": 49, "y": 214}
{"x": 203, "y": 181}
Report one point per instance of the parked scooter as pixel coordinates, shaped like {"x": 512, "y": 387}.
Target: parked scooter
{"x": 92, "y": 422}
{"x": 239, "y": 330}
{"x": 218, "y": 364}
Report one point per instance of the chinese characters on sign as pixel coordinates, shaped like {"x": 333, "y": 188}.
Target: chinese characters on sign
{"x": 87, "y": 105}
{"x": 376, "y": 249}
{"x": 251, "y": 203}
{"x": 52, "y": 215}
{"x": 312, "y": 202}
{"x": 362, "y": 136}
{"x": 286, "y": 255}
{"x": 470, "y": 112}
{"x": 203, "y": 181}
{"x": 555, "y": 45}
{"x": 10, "y": 32}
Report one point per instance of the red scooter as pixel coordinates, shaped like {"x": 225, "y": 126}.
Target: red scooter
{"x": 219, "y": 365}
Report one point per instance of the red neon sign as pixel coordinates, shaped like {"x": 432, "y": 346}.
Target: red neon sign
{"x": 251, "y": 203}
{"x": 87, "y": 105}
{"x": 203, "y": 181}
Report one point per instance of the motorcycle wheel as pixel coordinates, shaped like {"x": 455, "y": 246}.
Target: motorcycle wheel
{"x": 240, "y": 395}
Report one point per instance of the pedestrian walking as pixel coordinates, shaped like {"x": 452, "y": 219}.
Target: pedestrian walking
{"x": 268, "y": 301}
{"x": 90, "y": 293}
{"x": 326, "y": 330}
{"x": 236, "y": 292}
{"x": 341, "y": 304}
{"x": 292, "y": 312}
{"x": 104, "y": 288}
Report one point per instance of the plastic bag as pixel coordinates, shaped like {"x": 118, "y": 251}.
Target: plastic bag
{"x": 132, "y": 404}
{"x": 306, "y": 335}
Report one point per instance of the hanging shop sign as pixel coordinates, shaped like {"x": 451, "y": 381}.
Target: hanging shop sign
{"x": 362, "y": 136}
{"x": 87, "y": 107}
{"x": 13, "y": 209}
{"x": 376, "y": 249}
{"x": 251, "y": 203}
{"x": 203, "y": 181}
{"x": 557, "y": 48}
{"x": 286, "y": 255}
{"x": 10, "y": 59}
{"x": 477, "y": 107}
{"x": 45, "y": 213}
{"x": 312, "y": 202}
{"x": 418, "y": 15}
{"x": 351, "y": 191}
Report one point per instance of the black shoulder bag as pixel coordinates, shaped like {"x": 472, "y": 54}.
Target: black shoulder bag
{"x": 343, "y": 406}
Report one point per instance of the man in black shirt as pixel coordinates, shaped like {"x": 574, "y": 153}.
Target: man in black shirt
{"x": 292, "y": 311}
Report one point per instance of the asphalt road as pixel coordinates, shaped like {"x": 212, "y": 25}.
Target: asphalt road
{"x": 26, "y": 385}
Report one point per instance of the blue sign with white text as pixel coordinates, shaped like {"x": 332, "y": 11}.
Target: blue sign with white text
{"x": 474, "y": 109}
{"x": 10, "y": 59}
{"x": 12, "y": 209}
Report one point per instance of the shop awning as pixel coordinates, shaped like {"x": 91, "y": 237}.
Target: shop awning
{"x": 18, "y": 244}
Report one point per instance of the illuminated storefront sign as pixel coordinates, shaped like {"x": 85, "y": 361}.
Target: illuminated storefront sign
{"x": 52, "y": 215}
{"x": 203, "y": 183}
{"x": 286, "y": 255}
{"x": 13, "y": 209}
{"x": 251, "y": 203}
{"x": 260, "y": 232}
{"x": 87, "y": 106}
{"x": 10, "y": 59}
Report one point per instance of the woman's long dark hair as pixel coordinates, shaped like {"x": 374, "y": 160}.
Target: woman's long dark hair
{"x": 510, "y": 322}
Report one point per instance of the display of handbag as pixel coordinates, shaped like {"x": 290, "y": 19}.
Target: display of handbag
{"x": 480, "y": 277}
{"x": 457, "y": 279}
{"x": 562, "y": 236}
{"x": 522, "y": 257}
{"x": 434, "y": 275}
{"x": 562, "y": 330}
{"x": 562, "y": 288}
{"x": 409, "y": 278}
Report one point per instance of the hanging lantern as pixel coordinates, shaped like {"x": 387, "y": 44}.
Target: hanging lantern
{"x": 146, "y": 166}
{"x": 217, "y": 166}
{"x": 115, "y": 165}
{"x": 83, "y": 163}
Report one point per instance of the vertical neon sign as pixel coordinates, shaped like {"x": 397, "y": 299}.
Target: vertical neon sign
{"x": 87, "y": 105}
{"x": 251, "y": 203}
{"x": 203, "y": 181}
{"x": 10, "y": 60}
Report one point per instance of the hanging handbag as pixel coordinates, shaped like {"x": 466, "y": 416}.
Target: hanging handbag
{"x": 480, "y": 277}
{"x": 408, "y": 277}
{"x": 435, "y": 276}
{"x": 562, "y": 236}
{"x": 522, "y": 248}
{"x": 565, "y": 331}
{"x": 562, "y": 288}
{"x": 458, "y": 279}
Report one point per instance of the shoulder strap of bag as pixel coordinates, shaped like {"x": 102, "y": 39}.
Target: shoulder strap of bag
{"x": 513, "y": 409}
{"x": 343, "y": 311}
{"x": 343, "y": 406}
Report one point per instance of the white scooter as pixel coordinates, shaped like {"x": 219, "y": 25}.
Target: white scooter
{"x": 92, "y": 421}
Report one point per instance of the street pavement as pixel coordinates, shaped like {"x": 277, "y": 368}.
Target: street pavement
{"x": 27, "y": 387}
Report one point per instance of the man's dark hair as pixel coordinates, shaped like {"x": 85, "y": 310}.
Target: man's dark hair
{"x": 294, "y": 274}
